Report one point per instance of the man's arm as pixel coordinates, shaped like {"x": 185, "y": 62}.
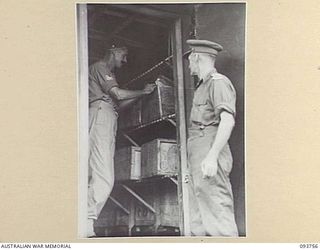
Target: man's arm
{"x": 126, "y": 103}
{"x": 124, "y": 94}
{"x": 209, "y": 165}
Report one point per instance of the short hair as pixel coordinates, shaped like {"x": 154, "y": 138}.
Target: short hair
{"x": 211, "y": 56}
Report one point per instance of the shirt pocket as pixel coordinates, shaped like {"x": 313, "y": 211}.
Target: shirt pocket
{"x": 201, "y": 104}
{"x": 200, "y": 101}
{"x": 203, "y": 111}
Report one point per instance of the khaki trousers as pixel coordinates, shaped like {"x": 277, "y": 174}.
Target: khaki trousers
{"x": 211, "y": 199}
{"x": 102, "y": 134}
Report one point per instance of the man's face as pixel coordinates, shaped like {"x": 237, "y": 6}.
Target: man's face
{"x": 120, "y": 58}
{"x": 194, "y": 63}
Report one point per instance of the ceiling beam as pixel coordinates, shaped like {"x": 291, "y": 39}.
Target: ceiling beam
{"x": 121, "y": 26}
{"x": 145, "y": 10}
{"x": 139, "y": 19}
{"x": 105, "y": 37}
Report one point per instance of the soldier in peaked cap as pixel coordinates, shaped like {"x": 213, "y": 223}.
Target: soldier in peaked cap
{"x": 212, "y": 120}
{"x": 204, "y": 47}
{"x": 105, "y": 98}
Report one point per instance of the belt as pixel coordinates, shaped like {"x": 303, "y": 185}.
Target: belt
{"x": 100, "y": 99}
{"x": 202, "y": 126}
{"x": 115, "y": 107}
{"x": 200, "y": 130}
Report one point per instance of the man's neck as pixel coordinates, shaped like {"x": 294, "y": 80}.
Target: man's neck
{"x": 110, "y": 64}
{"x": 205, "y": 70}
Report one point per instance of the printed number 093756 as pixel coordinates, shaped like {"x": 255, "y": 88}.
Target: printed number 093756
{"x": 305, "y": 245}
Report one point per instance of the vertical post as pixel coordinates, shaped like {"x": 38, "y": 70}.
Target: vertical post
{"x": 131, "y": 216}
{"x": 181, "y": 126}
{"x": 83, "y": 146}
{"x": 156, "y": 205}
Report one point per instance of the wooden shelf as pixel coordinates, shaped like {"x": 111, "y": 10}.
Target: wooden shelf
{"x": 151, "y": 179}
{"x": 162, "y": 128}
{"x": 167, "y": 118}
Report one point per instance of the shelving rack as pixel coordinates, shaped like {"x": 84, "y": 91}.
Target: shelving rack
{"x": 119, "y": 18}
{"x": 136, "y": 136}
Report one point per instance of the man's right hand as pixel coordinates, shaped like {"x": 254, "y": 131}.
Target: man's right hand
{"x": 149, "y": 88}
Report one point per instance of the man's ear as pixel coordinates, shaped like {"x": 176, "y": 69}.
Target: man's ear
{"x": 197, "y": 57}
{"x": 112, "y": 55}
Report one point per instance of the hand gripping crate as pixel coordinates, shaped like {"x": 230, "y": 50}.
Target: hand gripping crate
{"x": 127, "y": 163}
{"x": 159, "y": 157}
{"x": 160, "y": 103}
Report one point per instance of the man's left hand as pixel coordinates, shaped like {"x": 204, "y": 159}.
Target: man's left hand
{"x": 209, "y": 166}
{"x": 149, "y": 88}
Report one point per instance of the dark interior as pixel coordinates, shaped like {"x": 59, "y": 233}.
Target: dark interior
{"x": 146, "y": 30}
{"x": 146, "y": 38}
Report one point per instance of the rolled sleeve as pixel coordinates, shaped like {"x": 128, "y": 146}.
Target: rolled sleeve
{"x": 224, "y": 97}
{"x": 105, "y": 79}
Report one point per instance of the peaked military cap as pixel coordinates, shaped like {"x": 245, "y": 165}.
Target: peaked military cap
{"x": 118, "y": 46}
{"x": 203, "y": 46}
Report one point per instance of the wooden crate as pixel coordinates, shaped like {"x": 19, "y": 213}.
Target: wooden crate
{"x": 159, "y": 103}
{"x": 112, "y": 215}
{"x": 131, "y": 117}
{"x": 143, "y": 216}
{"x": 168, "y": 231}
{"x": 137, "y": 231}
{"x": 116, "y": 231}
{"x": 162, "y": 196}
{"x": 159, "y": 157}
{"x": 168, "y": 209}
{"x": 127, "y": 163}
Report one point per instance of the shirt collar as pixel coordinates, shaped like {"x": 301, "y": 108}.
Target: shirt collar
{"x": 109, "y": 71}
{"x": 207, "y": 77}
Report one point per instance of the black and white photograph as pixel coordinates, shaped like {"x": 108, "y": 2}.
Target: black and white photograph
{"x": 161, "y": 102}
{"x": 156, "y": 124}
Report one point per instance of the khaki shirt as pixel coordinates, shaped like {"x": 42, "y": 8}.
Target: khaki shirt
{"x": 214, "y": 94}
{"x": 101, "y": 80}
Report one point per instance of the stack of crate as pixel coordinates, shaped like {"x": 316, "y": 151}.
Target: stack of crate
{"x": 157, "y": 157}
